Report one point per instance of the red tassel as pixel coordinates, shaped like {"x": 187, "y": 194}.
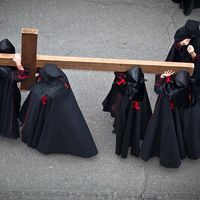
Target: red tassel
{"x": 122, "y": 81}
{"x": 44, "y": 100}
{"x": 136, "y": 105}
{"x": 167, "y": 79}
{"x": 22, "y": 76}
{"x": 66, "y": 85}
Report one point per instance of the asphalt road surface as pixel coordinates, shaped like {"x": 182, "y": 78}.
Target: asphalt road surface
{"x": 135, "y": 29}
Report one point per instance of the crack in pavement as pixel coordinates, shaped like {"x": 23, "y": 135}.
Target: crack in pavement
{"x": 141, "y": 197}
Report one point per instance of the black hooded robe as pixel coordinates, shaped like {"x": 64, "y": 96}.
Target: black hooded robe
{"x": 112, "y": 100}
{"x": 164, "y": 134}
{"x": 179, "y": 53}
{"x": 191, "y": 116}
{"x": 10, "y": 96}
{"x": 196, "y": 60}
{"x": 191, "y": 130}
{"x": 53, "y": 122}
{"x": 133, "y": 114}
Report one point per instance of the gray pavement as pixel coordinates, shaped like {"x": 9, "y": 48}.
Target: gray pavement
{"x": 135, "y": 29}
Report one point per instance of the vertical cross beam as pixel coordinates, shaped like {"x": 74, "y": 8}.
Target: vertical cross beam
{"x": 29, "y": 54}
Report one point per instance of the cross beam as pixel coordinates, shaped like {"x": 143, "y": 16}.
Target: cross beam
{"x": 103, "y": 64}
{"x": 29, "y": 59}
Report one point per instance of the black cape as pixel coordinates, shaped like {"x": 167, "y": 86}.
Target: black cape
{"x": 191, "y": 116}
{"x": 179, "y": 53}
{"x": 196, "y": 71}
{"x": 112, "y": 100}
{"x": 10, "y": 96}
{"x": 53, "y": 122}
{"x": 133, "y": 114}
{"x": 191, "y": 130}
{"x": 188, "y": 5}
{"x": 164, "y": 134}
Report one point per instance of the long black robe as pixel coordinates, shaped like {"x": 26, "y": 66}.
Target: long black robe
{"x": 112, "y": 100}
{"x": 178, "y": 53}
{"x": 191, "y": 130}
{"x": 164, "y": 133}
{"x": 53, "y": 122}
{"x": 10, "y": 96}
{"x": 196, "y": 61}
{"x": 191, "y": 116}
{"x": 188, "y": 5}
{"x": 132, "y": 116}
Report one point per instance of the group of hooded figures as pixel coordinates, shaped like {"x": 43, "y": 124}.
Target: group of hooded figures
{"x": 50, "y": 118}
{"x": 51, "y": 121}
{"x": 172, "y": 131}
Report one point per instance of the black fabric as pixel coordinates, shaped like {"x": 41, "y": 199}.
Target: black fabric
{"x": 189, "y": 30}
{"x": 188, "y": 5}
{"x": 160, "y": 138}
{"x": 164, "y": 134}
{"x": 196, "y": 44}
{"x": 10, "y": 96}
{"x": 49, "y": 72}
{"x": 6, "y": 46}
{"x": 52, "y": 120}
{"x": 9, "y": 103}
{"x": 191, "y": 116}
{"x": 135, "y": 74}
{"x": 133, "y": 115}
{"x": 179, "y": 53}
{"x": 191, "y": 130}
{"x": 196, "y": 71}
{"x": 24, "y": 109}
{"x": 177, "y": 1}
{"x": 112, "y": 100}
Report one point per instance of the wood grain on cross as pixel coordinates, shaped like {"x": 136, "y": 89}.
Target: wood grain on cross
{"x": 28, "y": 54}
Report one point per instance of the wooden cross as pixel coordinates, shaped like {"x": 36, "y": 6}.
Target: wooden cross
{"x": 31, "y": 60}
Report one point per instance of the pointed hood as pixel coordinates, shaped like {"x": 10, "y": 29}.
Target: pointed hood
{"x": 6, "y": 46}
{"x": 181, "y": 79}
{"x": 189, "y": 30}
{"x": 53, "y": 83}
{"x": 135, "y": 74}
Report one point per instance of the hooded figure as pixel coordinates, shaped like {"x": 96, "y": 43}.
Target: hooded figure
{"x": 164, "y": 134}
{"x": 111, "y": 102}
{"x": 53, "y": 122}
{"x": 191, "y": 115}
{"x": 10, "y": 96}
{"x": 196, "y": 71}
{"x": 178, "y": 52}
{"x": 133, "y": 114}
{"x": 188, "y": 5}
